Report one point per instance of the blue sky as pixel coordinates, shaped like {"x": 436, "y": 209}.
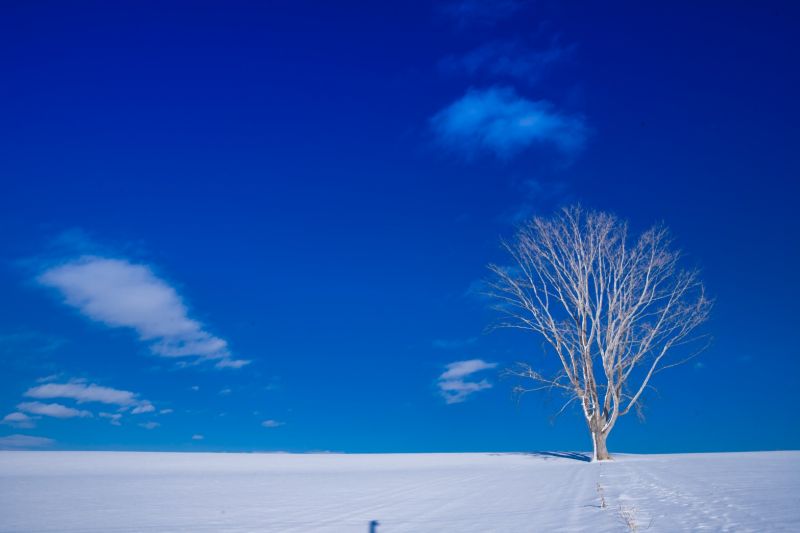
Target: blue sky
{"x": 249, "y": 227}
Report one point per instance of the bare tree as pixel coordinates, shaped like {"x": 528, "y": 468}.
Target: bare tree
{"x": 612, "y": 309}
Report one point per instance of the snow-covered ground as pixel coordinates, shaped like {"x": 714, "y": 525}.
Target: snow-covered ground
{"x": 121, "y": 492}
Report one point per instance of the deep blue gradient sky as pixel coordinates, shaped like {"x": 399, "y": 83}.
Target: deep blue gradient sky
{"x": 322, "y": 184}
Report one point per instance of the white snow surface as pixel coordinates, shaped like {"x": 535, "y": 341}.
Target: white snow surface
{"x": 471, "y": 492}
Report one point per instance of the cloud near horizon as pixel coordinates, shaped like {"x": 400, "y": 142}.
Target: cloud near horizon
{"x": 500, "y": 121}
{"x": 22, "y": 442}
{"x": 453, "y": 385}
{"x": 121, "y": 294}
{"x": 80, "y": 392}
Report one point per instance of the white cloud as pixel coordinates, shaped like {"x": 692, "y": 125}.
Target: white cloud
{"x": 20, "y": 442}
{"x": 82, "y": 392}
{"x": 119, "y": 293}
{"x": 149, "y": 425}
{"x": 19, "y": 420}
{"x": 114, "y": 418}
{"x": 272, "y": 423}
{"x": 55, "y": 410}
{"x": 197, "y": 437}
{"x": 165, "y": 411}
{"x": 500, "y": 121}
{"x": 452, "y": 383}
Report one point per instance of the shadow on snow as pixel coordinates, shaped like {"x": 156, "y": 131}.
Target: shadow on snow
{"x": 575, "y": 456}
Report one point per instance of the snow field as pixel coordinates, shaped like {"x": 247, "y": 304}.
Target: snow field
{"x": 182, "y": 492}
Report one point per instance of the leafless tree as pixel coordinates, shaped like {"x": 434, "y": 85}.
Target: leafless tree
{"x": 614, "y": 310}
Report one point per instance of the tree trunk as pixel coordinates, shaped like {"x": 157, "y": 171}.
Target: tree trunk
{"x": 600, "y": 450}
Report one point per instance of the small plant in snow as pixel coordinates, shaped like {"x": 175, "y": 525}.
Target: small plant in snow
{"x": 601, "y": 495}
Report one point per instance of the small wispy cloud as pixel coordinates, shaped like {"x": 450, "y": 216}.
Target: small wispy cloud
{"x": 509, "y": 59}
{"x": 500, "y": 121}
{"x": 24, "y": 442}
{"x": 462, "y": 369}
{"x": 55, "y": 410}
{"x": 143, "y": 407}
{"x": 457, "y": 391}
{"x": 122, "y": 294}
{"x": 232, "y": 363}
{"x": 149, "y": 425}
{"x": 453, "y": 384}
{"x": 19, "y": 420}
{"x": 197, "y": 437}
{"x": 272, "y": 423}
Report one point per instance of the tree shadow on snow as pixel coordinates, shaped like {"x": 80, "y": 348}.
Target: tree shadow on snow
{"x": 575, "y": 456}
